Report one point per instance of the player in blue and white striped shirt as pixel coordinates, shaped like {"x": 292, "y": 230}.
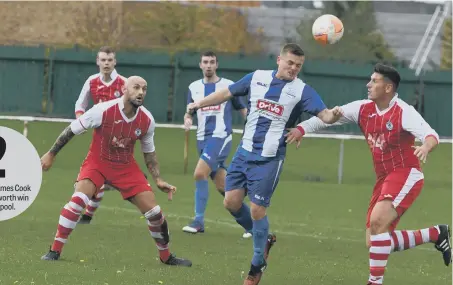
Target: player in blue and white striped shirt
{"x": 214, "y": 134}
{"x": 277, "y": 99}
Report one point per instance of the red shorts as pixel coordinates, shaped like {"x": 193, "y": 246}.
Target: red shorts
{"x": 128, "y": 179}
{"x": 402, "y": 187}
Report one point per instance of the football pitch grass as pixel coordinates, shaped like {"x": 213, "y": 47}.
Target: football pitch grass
{"x": 319, "y": 224}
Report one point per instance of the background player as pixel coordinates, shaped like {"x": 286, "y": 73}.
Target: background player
{"x": 390, "y": 127}
{"x": 100, "y": 87}
{"x": 118, "y": 125}
{"x": 214, "y": 135}
{"x": 277, "y": 99}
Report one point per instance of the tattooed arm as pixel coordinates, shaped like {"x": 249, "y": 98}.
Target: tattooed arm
{"x": 149, "y": 153}
{"x": 48, "y": 158}
{"x": 89, "y": 120}
{"x": 62, "y": 140}
{"x": 152, "y": 164}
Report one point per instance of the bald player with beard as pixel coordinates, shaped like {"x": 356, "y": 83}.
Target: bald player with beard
{"x": 117, "y": 125}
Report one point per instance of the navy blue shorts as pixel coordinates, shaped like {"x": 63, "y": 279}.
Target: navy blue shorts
{"x": 214, "y": 151}
{"x": 258, "y": 178}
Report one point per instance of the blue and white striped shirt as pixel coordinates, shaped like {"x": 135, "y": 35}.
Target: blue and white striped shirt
{"x": 213, "y": 121}
{"x": 274, "y": 106}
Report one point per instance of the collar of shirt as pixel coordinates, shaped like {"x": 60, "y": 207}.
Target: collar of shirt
{"x": 113, "y": 76}
{"x": 391, "y": 104}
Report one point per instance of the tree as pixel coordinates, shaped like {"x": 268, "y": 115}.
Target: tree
{"x": 446, "y": 46}
{"x": 174, "y": 27}
{"x": 99, "y": 24}
{"x": 361, "y": 40}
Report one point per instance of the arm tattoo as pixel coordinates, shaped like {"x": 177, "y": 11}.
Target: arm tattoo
{"x": 62, "y": 140}
{"x": 152, "y": 164}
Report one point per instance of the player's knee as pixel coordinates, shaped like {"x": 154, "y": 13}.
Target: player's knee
{"x": 377, "y": 226}
{"x": 257, "y": 212}
{"x": 200, "y": 174}
{"x": 157, "y": 219}
{"x": 86, "y": 186}
{"x": 232, "y": 204}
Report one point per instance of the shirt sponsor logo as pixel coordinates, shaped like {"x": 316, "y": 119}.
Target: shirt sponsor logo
{"x": 271, "y": 107}
{"x": 211, "y": 108}
{"x": 120, "y": 142}
{"x": 376, "y": 140}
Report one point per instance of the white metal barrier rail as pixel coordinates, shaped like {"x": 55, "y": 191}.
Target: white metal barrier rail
{"x": 342, "y": 137}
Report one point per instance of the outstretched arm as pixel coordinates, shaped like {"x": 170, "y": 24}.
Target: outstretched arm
{"x": 62, "y": 140}
{"x": 240, "y": 88}
{"x": 350, "y": 114}
{"x": 312, "y": 103}
{"x": 49, "y": 157}
{"x": 90, "y": 119}
{"x": 216, "y": 98}
{"x": 330, "y": 116}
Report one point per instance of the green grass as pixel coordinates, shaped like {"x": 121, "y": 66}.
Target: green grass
{"x": 320, "y": 225}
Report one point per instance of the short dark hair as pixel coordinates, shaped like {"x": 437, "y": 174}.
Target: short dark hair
{"x": 389, "y": 73}
{"x": 107, "y": 49}
{"x": 293, "y": 49}
{"x": 209, "y": 53}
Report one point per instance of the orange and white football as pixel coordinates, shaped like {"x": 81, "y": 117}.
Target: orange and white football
{"x": 327, "y": 29}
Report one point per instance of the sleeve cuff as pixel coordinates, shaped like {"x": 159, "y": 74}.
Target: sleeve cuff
{"x": 433, "y": 136}
{"x": 301, "y": 130}
{"x": 77, "y": 127}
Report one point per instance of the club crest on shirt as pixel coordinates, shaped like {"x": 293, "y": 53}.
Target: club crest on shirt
{"x": 117, "y": 94}
{"x": 389, "y": 126}
{"x": 138, "y": 132}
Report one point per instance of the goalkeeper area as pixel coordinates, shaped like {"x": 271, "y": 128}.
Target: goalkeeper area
{"x": 320, "y": 224}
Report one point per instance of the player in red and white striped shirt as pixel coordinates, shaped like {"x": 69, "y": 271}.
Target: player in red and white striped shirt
{"x": 390, "y": 127}
{"x": 117, "y": 125}
{"x": 103, "y": 86}
{"x": 100, "y": 87}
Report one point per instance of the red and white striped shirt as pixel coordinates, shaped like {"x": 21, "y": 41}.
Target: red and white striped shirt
{"x": 390, "y": 133}
{"x": 99, "y": 90}
{"x": 114, "y": 134}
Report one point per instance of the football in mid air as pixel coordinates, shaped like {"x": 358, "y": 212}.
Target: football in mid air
{"x": 327, "y": 29}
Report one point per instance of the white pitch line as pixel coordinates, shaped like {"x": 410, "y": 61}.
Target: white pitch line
{"x": 234, "y": 225}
